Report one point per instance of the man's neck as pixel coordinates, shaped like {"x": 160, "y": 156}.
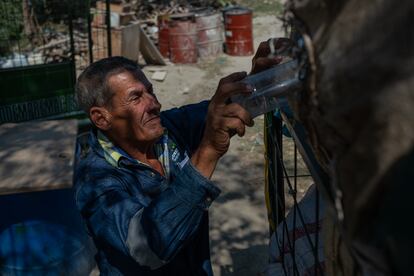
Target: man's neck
{"x": 148, "y": 158}
{"x": 143, "y": 152}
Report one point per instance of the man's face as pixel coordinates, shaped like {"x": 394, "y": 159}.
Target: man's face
{"x": 134, "y": 111}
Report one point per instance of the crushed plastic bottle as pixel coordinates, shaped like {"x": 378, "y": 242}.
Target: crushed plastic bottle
{"x": 269, "y": 85}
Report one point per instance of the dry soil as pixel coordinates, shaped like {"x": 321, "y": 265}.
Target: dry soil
{"x": 239, "y": 229}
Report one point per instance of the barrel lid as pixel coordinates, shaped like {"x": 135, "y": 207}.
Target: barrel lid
{"x": 182, "y": 16}
{"x": 203, "y": 11}
{"x": 237, "y": 10}
{"x": 37, "y": 245}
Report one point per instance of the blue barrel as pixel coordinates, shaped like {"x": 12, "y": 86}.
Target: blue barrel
{"x": 43, "y": 234}
{"x": 42, "y": 248}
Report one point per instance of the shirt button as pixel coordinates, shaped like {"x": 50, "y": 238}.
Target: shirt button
{"x": 208, "y": 199}
{"x": 152, "y": 174}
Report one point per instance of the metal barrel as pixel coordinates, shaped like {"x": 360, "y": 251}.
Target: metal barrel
{"x": 183, "y": 39}
{"x": 209, "y": 34}
{"x": 44, "y": 235}
{"x": 163, "y": 35}
{"x": 238, "y": 31}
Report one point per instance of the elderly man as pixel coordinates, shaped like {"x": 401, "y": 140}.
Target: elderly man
{"x": 142, "y": 179}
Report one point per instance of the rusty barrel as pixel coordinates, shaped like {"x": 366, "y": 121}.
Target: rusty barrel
{"x": 238, "y": 31}
{"x": 183, "y": 39}
{"x": 209, "y": 34}
{"x": 163, "y": 35}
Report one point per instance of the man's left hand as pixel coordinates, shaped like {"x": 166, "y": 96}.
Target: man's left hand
{"x": 266, "y": 58}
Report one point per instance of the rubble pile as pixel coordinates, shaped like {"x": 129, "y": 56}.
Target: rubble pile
{"x": 56, "y": 48}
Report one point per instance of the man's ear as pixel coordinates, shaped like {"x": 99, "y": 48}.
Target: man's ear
{"x": 100, "y": 117}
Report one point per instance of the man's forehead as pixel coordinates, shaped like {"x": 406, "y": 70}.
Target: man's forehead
{"x": 127, "y": 77}
{"x": 140, "y": 76}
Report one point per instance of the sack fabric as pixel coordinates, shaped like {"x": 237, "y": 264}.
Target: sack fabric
{"x": 358, "y": 112}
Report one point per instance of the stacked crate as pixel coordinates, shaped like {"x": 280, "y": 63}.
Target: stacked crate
{"x": 124, "y": 31}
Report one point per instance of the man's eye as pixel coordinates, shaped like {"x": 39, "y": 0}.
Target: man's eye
{"x": 135, "y": 98}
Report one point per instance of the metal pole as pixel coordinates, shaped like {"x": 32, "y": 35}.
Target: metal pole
{"x": 108, "y": 28}
{"x": 72, "y": 42}
{"x": 275, "y": 170}
{"x": 90, "y": 41}
{"x": 280, "y": 187}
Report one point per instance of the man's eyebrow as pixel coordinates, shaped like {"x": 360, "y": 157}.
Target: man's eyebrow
{"x": 134, "y": 92}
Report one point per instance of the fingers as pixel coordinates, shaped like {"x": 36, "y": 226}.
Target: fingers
{"x": 237, "y": 76}
{"x": 235, "y": 125}
{"x": 274, "y": 46}
{"x": 270, "y": 53}
{"x": 226, "y": 90}
{"x": 264, "y": 63}
{"x": 263, "y": 50}
{"x": 235, "y": 110}
{"x": 282, "y": 46}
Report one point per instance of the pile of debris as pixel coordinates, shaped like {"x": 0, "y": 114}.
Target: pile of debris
{"x": 149, "y": 14}
{"x": 56, "y": 48}
{"x": 134, "y": 31}
{"x": 124, "y": 31}
{"x": 150, "y": 10}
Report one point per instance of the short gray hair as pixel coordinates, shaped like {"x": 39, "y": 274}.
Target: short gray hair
{"x": 92, "y": 87}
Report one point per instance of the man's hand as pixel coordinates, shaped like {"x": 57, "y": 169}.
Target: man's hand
{"x": 223, "y": 121}
{"x": 270, "y": 53}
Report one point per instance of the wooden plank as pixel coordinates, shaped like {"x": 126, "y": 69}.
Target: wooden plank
{"x": 37, "y": 155}
{"x": 125, "y": 41}
{"x": 150, "y": 53}
{"x": 114, "y": 7}
{"x": 129, "y": 40}
{"x": 117, "y": 19}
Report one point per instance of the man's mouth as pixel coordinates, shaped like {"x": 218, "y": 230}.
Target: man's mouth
{"x": 152, "y": 119}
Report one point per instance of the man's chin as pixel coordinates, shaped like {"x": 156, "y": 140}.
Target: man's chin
{"x": 161, "y": 131}
{"x": 158, "y": 132}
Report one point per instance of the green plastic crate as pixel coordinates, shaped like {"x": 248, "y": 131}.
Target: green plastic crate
{"x": 37, "y": 92}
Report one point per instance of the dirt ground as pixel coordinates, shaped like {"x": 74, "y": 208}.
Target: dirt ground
{"x": 239, "y": 229}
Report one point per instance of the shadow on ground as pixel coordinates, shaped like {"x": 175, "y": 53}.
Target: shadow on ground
{"x": 239, "y": 228}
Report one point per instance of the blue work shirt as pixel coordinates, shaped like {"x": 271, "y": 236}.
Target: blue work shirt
{"x": 143, "y": 223}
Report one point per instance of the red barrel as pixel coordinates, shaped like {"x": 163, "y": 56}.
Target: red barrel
{"x": 209, "y": 34}
{"x": 163, "y": 35}
{"x": 239, "y": 31}
{"x": 183, "y": 40}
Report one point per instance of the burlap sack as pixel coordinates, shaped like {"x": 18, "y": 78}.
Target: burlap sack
{"x": 358, "y": 109}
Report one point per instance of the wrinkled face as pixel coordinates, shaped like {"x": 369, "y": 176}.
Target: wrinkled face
{"x": 135, "y": 111}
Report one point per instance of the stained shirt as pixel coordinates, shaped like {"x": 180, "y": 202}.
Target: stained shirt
{"x": 143, "y": 223}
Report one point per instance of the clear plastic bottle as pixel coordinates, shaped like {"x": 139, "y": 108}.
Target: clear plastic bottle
{"x": 268, "y": 85}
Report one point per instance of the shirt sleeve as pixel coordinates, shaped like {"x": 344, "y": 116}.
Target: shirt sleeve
{"x": 187, "y": 124}
{"x": 151, "y": 234}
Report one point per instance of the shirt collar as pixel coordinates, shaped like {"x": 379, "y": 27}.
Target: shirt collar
{"x": 114, "y": 154}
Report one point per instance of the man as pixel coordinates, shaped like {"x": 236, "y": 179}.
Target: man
{"x": 142, "y": 180}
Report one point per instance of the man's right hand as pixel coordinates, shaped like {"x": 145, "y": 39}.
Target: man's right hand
{"x": 223, "y": 121}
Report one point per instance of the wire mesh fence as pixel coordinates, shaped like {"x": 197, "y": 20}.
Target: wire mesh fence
{"x": 295, "y": 208}
{"x": 42, "y": 32}
{"x": 44, "y": 45}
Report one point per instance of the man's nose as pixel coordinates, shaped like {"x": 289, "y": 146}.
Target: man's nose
{"x": 154, "y": 103}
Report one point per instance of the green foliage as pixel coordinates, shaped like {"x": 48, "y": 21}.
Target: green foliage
{"x": 11, "y": 20}
{"x": 46, "y": 13}
{"x": 224, "y": 3}
{"x": 58, "y": 10}
{"x": 274, "y": 7}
